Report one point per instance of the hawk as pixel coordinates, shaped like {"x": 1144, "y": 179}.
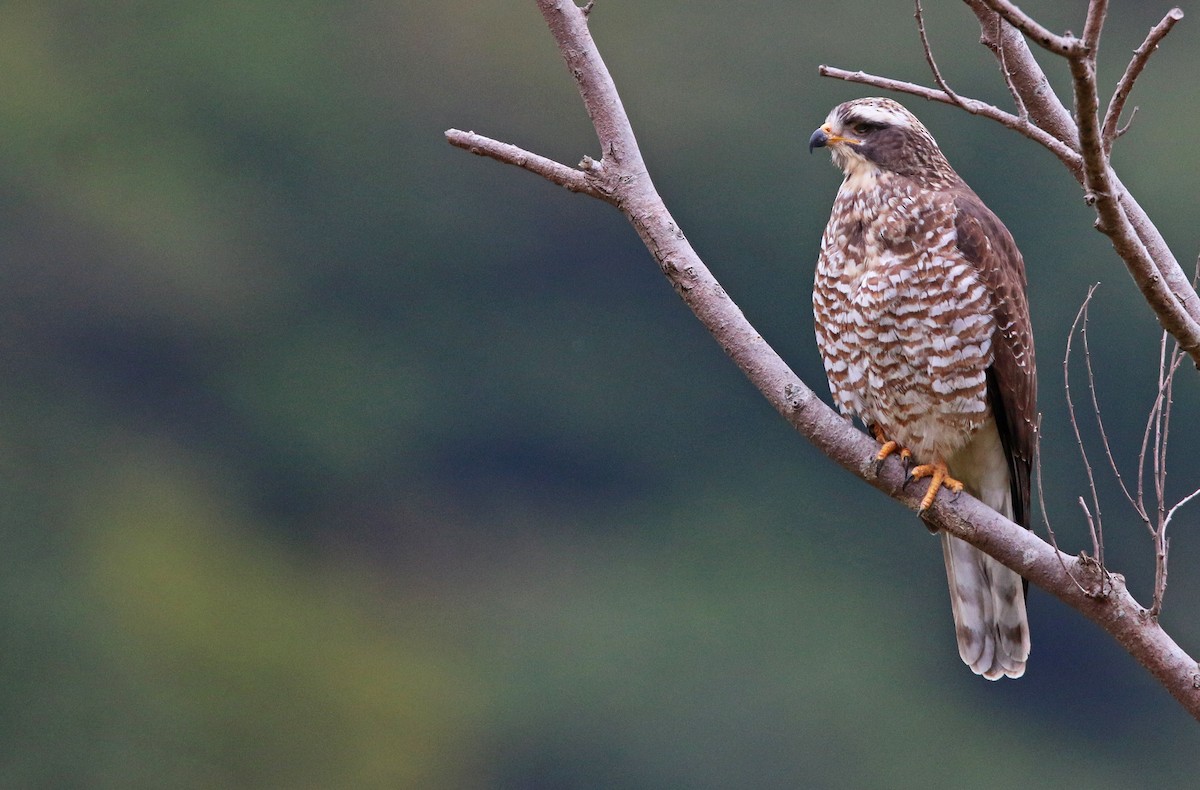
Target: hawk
{"x": 923, "y": 326}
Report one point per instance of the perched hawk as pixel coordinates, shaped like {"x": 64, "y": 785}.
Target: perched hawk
{"x": 923, "y": 325}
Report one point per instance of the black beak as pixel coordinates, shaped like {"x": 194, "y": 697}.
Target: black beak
{"x": 818, "y": 140}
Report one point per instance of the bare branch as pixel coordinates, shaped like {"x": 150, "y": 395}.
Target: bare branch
{"x": 1097, "y": 10}
{"x": 974, "y": 106}
{"x": 1060, "y": 45}
{"x": 1161, "y": 426}
{"x": 1158, "y": 423}
{"x": 568, "y": 22}
{"x": 1179, "y": 504}
{"x": 1141, "y": 56}
{"x": 1162, "y": 547}
{"x": 1149, "y": 260}
{"x": 1091, "y": 375}
{"x": 1102, "y": 194}
{"x": 1098, "y": 527}
{"x": 1097, "y": 547}
{"x": 933, "y": 67}
{"x": 1168, "y": 367}
{"x": 1151, "y": 421}
{"x": 1159, "y": 414}
{"x": 1121, "y": 132}
{"x": 1097, "y": 541}
{"x": 1025, "y": 76}
{"x": 555, "y": 173}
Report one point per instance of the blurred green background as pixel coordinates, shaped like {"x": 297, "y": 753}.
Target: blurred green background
{"x": 332, "y": 456}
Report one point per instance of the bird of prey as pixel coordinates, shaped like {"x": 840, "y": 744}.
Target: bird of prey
{"x": 923, "y": 326}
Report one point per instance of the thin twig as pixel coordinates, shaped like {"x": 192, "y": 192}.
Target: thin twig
{"x": 1160, "y": 429}
{"x": 1141, "y": 56}
{"x": 1168, "y": 367}
{"x": 1087, "y": 465}
{"x": 1121, "y": 132}
{"x": 1151, "y": 421}
{"x": 1154, "y": 425}
{"x": 1097, "y": 542}
{"x": 554, "y": 172}
{"x": 1091, "y": 375}
{"x": 1179, "y": 504}
{"x": 1097, "y": 548}
{"x": 933, "y": 67}
{"x": 1023, "y": 126}
{"x": 1172, "y": 365}
{"x": 1098, "y": 527}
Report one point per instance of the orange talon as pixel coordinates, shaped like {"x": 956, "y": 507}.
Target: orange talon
{"x": 940, "y": 479}
{"x": 889, "y": 446}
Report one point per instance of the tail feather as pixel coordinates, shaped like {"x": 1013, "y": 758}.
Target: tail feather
{"x": 988, "y": 601}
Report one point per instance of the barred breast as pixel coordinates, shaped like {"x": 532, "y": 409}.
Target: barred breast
{"x": 905, "y": 329}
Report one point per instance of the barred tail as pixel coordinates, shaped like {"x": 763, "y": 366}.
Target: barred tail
{"x": 988, "y": 601}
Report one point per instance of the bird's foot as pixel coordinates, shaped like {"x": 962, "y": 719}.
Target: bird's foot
{"x": 890, "y": 446}
{"x": 940, "y": 478}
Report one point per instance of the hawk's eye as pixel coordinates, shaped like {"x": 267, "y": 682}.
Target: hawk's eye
{"x": 864, "y": 128}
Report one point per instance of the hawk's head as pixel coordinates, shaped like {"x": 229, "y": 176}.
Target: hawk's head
{"x": 869, "y": 135}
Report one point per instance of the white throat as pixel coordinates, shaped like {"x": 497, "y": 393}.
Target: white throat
{"x": 861, "y": 173}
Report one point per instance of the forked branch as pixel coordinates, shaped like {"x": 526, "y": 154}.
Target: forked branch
{"x": 1151, "y": 507}
{"x": 620, "y": 178}
{"x": 1141, "y": 56}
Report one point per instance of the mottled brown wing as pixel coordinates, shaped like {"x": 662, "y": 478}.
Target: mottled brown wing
{"x": 1012, "y": 378}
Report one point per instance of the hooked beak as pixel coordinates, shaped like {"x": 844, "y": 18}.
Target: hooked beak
{"x": 825, "y": 136}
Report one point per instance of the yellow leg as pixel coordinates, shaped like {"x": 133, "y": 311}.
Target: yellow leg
{"x": 940, "y": 478}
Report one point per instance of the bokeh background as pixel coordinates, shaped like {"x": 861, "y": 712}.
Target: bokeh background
{"x": 332, "y": 456}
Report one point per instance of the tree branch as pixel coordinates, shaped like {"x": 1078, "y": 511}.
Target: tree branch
{"x": 1024, "y": 76}
{"x": 1134, "y": 236}
{"x": 1060, "y": 45}
{"x": 552, "y": 171}
{"x": 929, "y": 59}
{"x": 974, "y": 106}
{"x": 1141, "y": 56}
{"x": 622, "y": 178}
{"x": 1092, "y": 26}
{"x": 1096, "y": 522}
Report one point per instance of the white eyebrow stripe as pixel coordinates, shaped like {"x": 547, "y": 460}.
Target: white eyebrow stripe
{"x": 866, "y": 113}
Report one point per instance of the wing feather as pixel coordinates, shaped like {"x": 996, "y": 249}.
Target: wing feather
{"x": 1012, "y": 381}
